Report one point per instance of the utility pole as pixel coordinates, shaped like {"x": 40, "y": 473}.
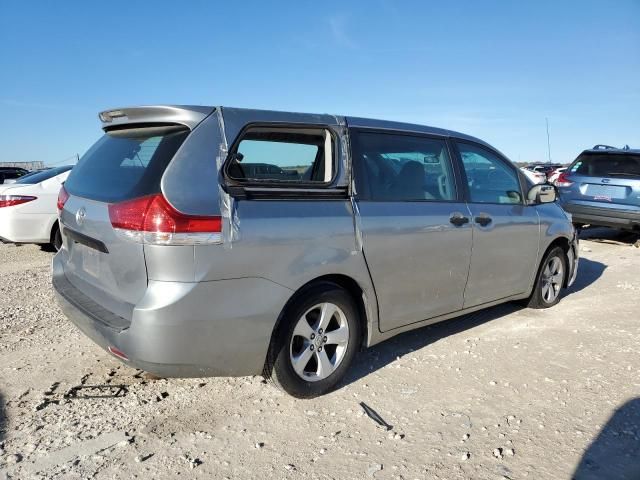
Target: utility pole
{"x": 548, "y": 142}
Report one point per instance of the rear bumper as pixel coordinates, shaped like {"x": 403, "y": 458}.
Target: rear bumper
{"x": 606, "y": 217}
{"x": 16, "y": 227}
{"x": 219, "y": 328}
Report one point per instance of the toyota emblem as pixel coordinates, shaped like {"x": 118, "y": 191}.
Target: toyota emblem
{"x": 80, "y": 214}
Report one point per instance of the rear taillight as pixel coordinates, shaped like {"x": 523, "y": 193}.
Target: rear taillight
{"x": 563, "y": 180}
{"x": 13, "y": 200}
{"x": 63, "y": 196}
{"x": 152, "y": 220}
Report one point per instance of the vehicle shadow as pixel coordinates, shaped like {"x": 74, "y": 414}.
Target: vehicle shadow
{"x": 615, "y": 452}
{"x": 588, "y": 272}
{"x": 380, "y": 355}
{"x": 4, "y": 423}
{"x": 610, "y": 236}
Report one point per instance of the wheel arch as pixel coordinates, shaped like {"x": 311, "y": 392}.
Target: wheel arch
{"x": 345, "y": 282}
{"x": 565, "y": 244}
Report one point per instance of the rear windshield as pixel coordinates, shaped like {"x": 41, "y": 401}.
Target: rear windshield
{"x": 125, "y": 164}
{"x": 37, "y": 177}
{"x": 597, "y": 165}
{"x": 12, "y": 173}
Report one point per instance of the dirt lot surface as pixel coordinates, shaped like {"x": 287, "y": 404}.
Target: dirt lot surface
{"x": 505, "y": 393}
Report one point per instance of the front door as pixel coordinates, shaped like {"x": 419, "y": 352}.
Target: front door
{"x": 415, "y": 227}
{"x": 505, "y": 230}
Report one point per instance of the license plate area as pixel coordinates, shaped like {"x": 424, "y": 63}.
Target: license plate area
{"x": 606, "y": 191}
{"x": 90, "y": 260}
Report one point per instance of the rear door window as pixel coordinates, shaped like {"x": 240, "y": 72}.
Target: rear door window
{"x": 283, "y": 156}
{"x": 125, "y": 164}
{"x": 598, "y": 165}
{"x": 396, "y": 167}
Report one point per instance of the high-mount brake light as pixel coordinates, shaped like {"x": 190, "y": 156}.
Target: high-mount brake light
{"x": 152, "y": 220}
{"x": 63, "y": 196}
{"x": 108, "y": 116}
{"x": 13, "y": 200}
{"x": 563, "y": 181}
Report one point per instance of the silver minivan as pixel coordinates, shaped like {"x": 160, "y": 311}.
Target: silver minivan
{"x": 204, "y": 241}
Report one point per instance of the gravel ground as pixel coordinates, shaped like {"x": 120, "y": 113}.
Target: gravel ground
{"x": 505, "y": 393}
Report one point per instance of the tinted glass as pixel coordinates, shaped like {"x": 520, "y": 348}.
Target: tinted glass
{"x": 37, "y": 177}
{"x": 392, "y": 167}
{"x": 489, "y": 178}
{"x": 125, "y": 164}
{"x": 598, "y": 165}
{"x": 283, "y": 156}
{"x": 11, "y": 174}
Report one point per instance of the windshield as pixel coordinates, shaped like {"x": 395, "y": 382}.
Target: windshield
{"x": 37, "y": 177}
{"x": 125, "y": 164}
{"x": 599, "y": 165}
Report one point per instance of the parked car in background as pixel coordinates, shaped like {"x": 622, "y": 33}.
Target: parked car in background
{"x": 545, "y": 168}
{"x": 9, "y": 174}
{"x": 533, "y": 176}
{"x": 553, "y": 176}
{"x": 359, "y": 230}
{"x": 602, "y": 187}
{"x": 28, "y": 211}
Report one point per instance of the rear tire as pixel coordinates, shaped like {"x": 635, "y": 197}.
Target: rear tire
{"x": 315, "y": 342}
{"x": 56, "y": 238}
{"x": 551, "y": 278}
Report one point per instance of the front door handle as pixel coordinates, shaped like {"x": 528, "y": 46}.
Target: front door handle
{"x": 458, "y": 219}
{"x": 483, "y": 219}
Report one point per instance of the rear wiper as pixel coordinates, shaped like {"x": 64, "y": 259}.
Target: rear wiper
{"x": 621, "y": 174}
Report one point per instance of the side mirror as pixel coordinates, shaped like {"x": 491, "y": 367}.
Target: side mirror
{"x": 541, "y": 193}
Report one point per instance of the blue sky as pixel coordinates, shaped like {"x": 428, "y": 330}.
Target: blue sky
{"x": 494, "y": 69}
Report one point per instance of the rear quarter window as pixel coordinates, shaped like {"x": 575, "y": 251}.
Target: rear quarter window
{"x": 125, "y": 164}
{"x": 283, "y": 156}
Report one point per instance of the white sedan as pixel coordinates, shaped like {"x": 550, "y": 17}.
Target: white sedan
{"x": 534, "y": 177}
{"x": 553, "y": 178}
{"x": 28, "y": 208}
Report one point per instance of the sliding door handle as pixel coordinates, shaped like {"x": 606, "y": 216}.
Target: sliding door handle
{"x": 458, "y": 219}
{"x": 483, "y": 219}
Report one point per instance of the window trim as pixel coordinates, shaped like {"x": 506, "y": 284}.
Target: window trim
{"x": 356, "y": 165}
{"x": 242, "y": 188}
{"x": 501, "y": 158}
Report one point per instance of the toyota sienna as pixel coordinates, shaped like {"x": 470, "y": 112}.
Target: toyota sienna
{"x": 204, "y": 241}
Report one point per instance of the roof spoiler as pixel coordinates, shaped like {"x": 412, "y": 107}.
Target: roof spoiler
{"x": 187, "y": 115}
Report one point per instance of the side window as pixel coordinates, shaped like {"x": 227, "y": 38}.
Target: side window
{"x": 395, "y": 167}
{"x": 490, "y": 180}
{"x": 288, "y": 155}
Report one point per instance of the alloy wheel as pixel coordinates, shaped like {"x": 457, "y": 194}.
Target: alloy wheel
{"x": 319, "y": 342}
{"x": 552, "y": 278}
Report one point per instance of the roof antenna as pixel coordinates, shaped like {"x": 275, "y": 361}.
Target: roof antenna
{"x": 548, "y": 141}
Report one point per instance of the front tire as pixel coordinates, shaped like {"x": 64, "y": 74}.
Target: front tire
{"x": 550, "y": 280}
{"x": 315, "y": 342}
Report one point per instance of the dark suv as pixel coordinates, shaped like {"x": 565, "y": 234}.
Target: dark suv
{"x": 602, "y": 187}
{"x": 11, "y": 173}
